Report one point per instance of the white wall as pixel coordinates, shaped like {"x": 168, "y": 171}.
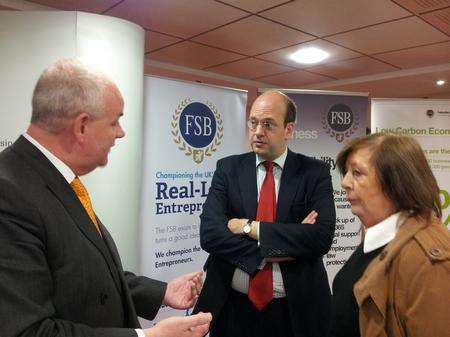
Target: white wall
{"x": 29, "y": 42}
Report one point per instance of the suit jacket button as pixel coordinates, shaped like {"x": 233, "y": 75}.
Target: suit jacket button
{"x": 103, "y": 298}
{"x": 435, "y": 252}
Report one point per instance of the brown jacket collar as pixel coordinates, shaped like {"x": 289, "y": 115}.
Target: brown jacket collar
{"x": 374, "y": 281}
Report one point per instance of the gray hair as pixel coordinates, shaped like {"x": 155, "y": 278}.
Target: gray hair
{"x": 65, "y": 89}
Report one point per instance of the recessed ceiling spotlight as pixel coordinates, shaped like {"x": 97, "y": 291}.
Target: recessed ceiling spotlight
{"x": 440, "y": 82}
{"x": 309, "y": 55}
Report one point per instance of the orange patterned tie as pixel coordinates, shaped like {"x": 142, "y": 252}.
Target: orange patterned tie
{"x": 83, "y": 196}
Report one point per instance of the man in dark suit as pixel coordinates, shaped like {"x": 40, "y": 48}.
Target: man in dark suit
{"x": 60, "y": 272}
{"x": 265, "y": 275}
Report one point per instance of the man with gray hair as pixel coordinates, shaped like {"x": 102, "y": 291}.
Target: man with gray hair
{"x": 60, "y": 272}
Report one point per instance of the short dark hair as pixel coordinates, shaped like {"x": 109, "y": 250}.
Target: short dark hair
{"x": 291, "y": 111}
{"x": 402, "y": 171}
{"x": 291, "y": 108}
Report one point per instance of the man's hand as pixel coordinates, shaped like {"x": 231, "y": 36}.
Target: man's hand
{"x": 311, "y": 218}
{"x": 236, "y": 225}
{"x": 181, "y": 326}
{"x": 182, "y": 292}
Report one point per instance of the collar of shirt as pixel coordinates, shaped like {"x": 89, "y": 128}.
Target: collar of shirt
{"x": 58, "y": 163}
{"x": 383, "y": 232}
{"x": 279, "y": 161}
{"x": 277, "y": 170}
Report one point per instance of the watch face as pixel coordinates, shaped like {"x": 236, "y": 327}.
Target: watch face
{"x": 247, "y": 228}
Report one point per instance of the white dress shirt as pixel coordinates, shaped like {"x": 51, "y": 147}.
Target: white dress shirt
{"x": 383, "y": 232}
{"x": 67, "y": 174}
{"x": 58, "y": 163}
{"x": 240, "y": 278}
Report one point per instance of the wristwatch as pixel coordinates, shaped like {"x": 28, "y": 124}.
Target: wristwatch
{"x": 247, "y": 227}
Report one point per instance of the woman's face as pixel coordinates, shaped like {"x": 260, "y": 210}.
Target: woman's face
{"x": 364, "y": 191}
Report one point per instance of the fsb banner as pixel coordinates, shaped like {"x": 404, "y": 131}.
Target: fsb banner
{"x": 188, "y": 127}
{"x": 429, "y": 122}
{"x": 325, "y": 121}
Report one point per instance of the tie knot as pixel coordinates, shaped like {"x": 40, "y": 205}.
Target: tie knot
{"x": 79, "y": 188}
{"x": 269, "y": 166}
{"x": 83, "y": 196}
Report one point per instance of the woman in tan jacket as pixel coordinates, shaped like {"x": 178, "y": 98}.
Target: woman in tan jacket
{"x": 397, "y": 282}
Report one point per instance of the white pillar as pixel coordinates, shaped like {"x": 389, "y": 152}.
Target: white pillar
{"x": 29, "y": 42}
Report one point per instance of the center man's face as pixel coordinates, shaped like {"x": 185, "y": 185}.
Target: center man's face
{"x": 268, "y": 135}
{"x": 104, "y": 130}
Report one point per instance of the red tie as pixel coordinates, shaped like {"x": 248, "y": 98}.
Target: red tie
{"x": 260, "y": 289}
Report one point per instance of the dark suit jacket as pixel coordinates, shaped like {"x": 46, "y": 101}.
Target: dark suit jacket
{"x": 305, "y": 186}
{"x": 58, "y": 277}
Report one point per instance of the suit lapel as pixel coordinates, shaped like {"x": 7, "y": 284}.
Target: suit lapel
{"x": 111, "y": 245}
{"x": 290, "y": 178}
{"x": 247, "y": 185}
{"x": 64, "y": 193}
{"x": 131, "y": 316}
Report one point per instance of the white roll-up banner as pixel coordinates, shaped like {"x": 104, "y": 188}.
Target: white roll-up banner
{"x": 188, "y": 127}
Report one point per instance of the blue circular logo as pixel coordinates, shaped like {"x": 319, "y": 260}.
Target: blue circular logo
{"x": 340, "y": 117}
{"x": 197, "y": 125}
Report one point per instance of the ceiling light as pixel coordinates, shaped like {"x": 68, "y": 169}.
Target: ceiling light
{"x": 309, "y": 55}
{"x": 440, "y": 82}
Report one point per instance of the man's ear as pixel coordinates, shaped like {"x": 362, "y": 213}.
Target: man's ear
{"x": 289, "y": 130}
{"x": 79, "y": 125}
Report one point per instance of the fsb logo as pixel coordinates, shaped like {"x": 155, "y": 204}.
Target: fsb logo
{"x": 197, "y": 128}
{"x": 340, "y": 121}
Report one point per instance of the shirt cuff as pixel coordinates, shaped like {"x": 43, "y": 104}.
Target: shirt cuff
{"x": 263, "y": 262}
{"x": 140, "y": 332}
{"x": 257, "y": 231}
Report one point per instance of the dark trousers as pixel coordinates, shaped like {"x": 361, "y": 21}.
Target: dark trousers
{"x": 240, "y": 318}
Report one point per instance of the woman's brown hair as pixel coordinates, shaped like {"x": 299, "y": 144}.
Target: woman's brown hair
{"x": 402, "y": 170}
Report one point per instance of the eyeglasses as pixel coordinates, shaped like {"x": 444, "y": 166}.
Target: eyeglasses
{"x": 265, "y": 124}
